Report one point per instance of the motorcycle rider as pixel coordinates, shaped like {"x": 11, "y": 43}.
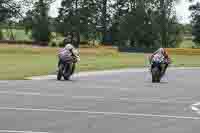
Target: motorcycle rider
{"x": 162, "y": 56}
{"x": 69, "y": 51}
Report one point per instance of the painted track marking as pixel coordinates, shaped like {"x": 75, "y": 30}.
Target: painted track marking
{"x": 86, "y": 74}
{"x": 15, "y": 131}
{"x": 96, "y": 98}
{"x": 100, "y": 113}
{"x": 195, "y": 108}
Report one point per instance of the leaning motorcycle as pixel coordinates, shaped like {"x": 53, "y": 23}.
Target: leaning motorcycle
{"x": 157, "y": 67}
{"x": 156, "y": 72}
{"x": 66, "y": 68}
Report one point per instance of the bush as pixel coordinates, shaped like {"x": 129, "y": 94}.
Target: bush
{"x": 53, "y": 44}
{"x": 84, "y": 42}
{"x": 1, "y": 35}
{"x": 193, "y": 47}
{"x": 61, "y": 44}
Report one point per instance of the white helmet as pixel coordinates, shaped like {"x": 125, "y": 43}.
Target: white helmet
{"x": 69, "y": 46}
{"x": 161, "y": 51}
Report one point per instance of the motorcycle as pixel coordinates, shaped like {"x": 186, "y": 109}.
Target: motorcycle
{"x": 156, "y": 72}
{"x": 67, "y": 68}
{"x": 157, "y": 69}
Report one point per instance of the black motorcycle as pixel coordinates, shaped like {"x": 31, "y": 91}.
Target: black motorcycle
{"x": 66, "y": 69}
{"x": 156, "y": 71}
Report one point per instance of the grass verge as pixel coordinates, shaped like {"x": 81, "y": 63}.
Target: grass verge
{"x": 18, "y": 62}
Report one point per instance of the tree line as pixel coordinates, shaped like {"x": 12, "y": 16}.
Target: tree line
{"x": 195, "y": 9}
{"x": 137, "y": 23}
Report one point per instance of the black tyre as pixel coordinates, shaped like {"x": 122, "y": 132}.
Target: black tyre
{"x": 67, "y": 71}
{"x": 59, "y": 76}
{"x": 66, "y": 78}
{"x": 153, "y": 71}
{"x": 60, "y": 72}
{"x": 73, "y": 68}
{"x": 155, "y": 75}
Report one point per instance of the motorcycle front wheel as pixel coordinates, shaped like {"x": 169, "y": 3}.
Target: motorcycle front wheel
{"x": 156, "y": 76}
{"x": 60, "y": 72}
{"x": 69, "y": 70}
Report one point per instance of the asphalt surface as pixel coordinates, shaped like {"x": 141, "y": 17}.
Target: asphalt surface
{"x": 124, "y": 102}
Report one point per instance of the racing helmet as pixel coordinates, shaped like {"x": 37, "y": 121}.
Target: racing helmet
{"x": 69, "y": 46}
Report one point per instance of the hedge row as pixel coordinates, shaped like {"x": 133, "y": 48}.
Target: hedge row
{"x": 183, "y": 51}
{"x": 24, "y": 42}
{"x": 35, "y": 43}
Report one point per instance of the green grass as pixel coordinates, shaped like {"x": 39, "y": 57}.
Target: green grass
{"x": 18, "y": 62}
{"x": 103, "y": 62}
{"x": 22, "y": 65}
{"x": 186, "y": 60}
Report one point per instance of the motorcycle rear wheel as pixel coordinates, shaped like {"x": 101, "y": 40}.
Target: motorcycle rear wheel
{"x": 69, "y": 69}
{"x": 156, "y": 75}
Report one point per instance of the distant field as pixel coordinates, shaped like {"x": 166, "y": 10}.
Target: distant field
{"x": 18, "y": 62}
{"x": 187, "y": 44}
{"x": 19, "y": 34}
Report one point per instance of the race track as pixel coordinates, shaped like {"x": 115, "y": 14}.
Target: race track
{"x": 120, "y": 102}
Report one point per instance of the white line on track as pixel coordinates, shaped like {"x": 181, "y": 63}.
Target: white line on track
{"x": 195, "y": 107}
{"x": 101, "y": 113}
{"x": 4, "y": 82}
{"x": 15, "y": 131}
{"x": 196, "y": 104}
{"x": 96, "y": 73}
{"x": 120, "y": 99}
{"x": 31, "y": 93}
{"x": 86, "y": 74}
{"x": 97, "y": 98}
